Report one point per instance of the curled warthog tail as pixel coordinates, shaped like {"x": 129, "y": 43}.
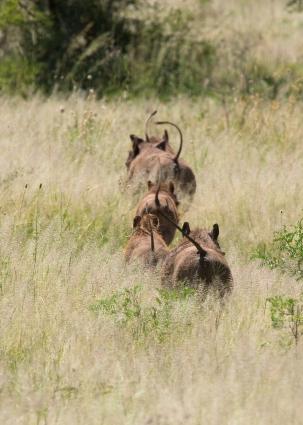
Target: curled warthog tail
{"x": 146, "y": 125}
{"x": 185, "y": 232}
{"x": 181, "y": 138}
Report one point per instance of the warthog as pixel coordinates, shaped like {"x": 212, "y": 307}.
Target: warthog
{"x": 198, "y": 260}
{"x": 140, "y": 146}
{"x": 146, "y": 243}
{"x": 161, "y": 197}
{"x": 154, "y": 159}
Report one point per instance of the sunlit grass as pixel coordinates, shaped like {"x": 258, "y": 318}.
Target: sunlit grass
{"x": 65, "y": 216}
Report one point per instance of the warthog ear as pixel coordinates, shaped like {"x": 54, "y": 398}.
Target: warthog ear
{"x": 135, "y": 139}
{"x": 161, "y": 145}
{"x": 150, "y": 184}
{"x": 165, "y": 136}
{"x": 136, "y": 142}
{"x": 214, "y": 234}
{"x": 136, "y": 221}
{"x": 185, "y": 228}
{"x": 171, "y": 187}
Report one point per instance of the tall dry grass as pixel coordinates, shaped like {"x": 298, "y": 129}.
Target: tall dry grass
{"x": 146, "y": 359}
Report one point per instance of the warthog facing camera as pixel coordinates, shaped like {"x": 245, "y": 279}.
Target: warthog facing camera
{"x": 146, "y": 244}
{"x": 161, "y": 197}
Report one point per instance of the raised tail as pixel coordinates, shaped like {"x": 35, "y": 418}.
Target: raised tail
{"x": 176, "y": 158}
{"x": 185, "y": 233}
{"x": 146, "y": 125}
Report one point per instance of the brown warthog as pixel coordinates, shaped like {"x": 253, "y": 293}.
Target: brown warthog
{"x": 161, "y": 197}
{"x": 198, "y": 260}
{"x": 154, "y": 159}
{"x": 139, "y": 145}
{"x": 146, "y": 243}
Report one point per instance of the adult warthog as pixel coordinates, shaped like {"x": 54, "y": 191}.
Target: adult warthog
{"x": 139, "y": 145}
{"x": 199, "y": 261}
{"x": 154, "y": 159}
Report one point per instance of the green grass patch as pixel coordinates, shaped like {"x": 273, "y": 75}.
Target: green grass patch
{"x": 127, "y": 309}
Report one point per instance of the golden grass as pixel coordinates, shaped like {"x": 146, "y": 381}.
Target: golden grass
{"x": 62, "y": 251}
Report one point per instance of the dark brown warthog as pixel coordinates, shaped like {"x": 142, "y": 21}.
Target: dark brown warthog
{"x": 154, "y": 159}
{"x": 161, "y": 197}
{"x": 198, "y": 260}
{"x": 146, "y": 243}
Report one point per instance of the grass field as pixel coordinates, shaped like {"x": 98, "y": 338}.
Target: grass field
{"x": 87, "y": 340}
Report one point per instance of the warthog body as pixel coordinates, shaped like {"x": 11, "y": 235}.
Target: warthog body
{"x": 156, "y": 165}
{"x": 201, "y": 264}
{"x": 146, "y": 244}
{"x": 161, "y": 197}
{"x": 154, "y": 159}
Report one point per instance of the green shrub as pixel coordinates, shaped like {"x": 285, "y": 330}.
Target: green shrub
{"x": 74, "y": 43}
{"x": 287, "y": 313}
{"x": 296, "y": 5}
{"x": 285, "y": 252}
{"x": 97, "y": 44}
{"x": 169, "y": 60}
{"x": 17, "y": 74}
{"x": 128, "y": 46}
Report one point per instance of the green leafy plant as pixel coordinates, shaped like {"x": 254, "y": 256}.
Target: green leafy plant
{"x": 287, "y": 313}
{"x": 285, "y": 252}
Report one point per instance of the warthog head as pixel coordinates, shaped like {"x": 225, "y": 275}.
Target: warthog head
{"x": 198, "y": 260}
{"x": 146, "y": 243}
{"x": 161, "y": 197}
{"x": 141, "y": 146}
{"x": 154, "y": 159}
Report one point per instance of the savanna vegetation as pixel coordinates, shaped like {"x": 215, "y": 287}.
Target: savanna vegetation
{"x": 86, "y": 339}
{"x": 213, "y": 47}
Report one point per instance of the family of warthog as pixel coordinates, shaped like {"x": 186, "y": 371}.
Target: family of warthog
{"x": 198, "y": 258}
